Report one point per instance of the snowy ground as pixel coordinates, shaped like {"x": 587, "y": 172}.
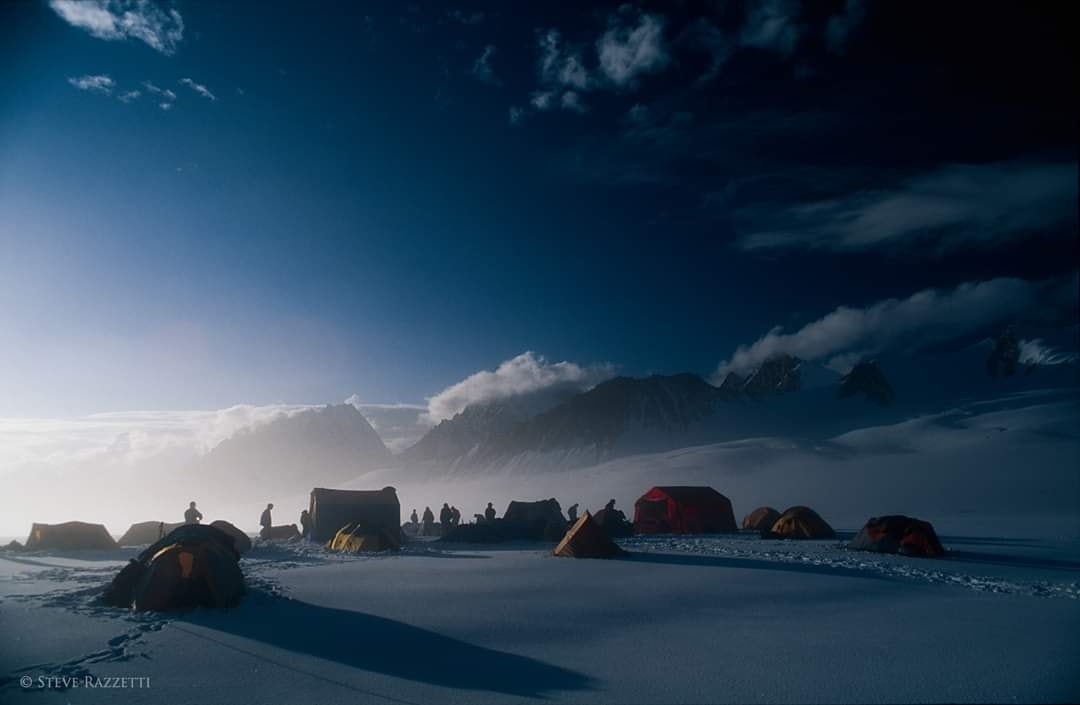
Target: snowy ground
{"x": 699, "y": 619}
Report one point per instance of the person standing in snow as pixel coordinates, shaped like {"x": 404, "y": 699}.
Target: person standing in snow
{"x": 429, "y": 521}
{"x": 266, "y": 522}
{"x": 413, "y": 518}
{"x": 445, "y": 515}
{"x": 192, "y": 515}
{"x": 489, "y": 513}
{"x": 455, "y": 516}
{"x": 305, "y": 523}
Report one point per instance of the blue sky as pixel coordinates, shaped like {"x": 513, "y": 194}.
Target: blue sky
{"x": 383, "y": 199}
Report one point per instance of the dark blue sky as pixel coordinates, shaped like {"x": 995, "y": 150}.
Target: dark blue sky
{"x": 385, "y": 198}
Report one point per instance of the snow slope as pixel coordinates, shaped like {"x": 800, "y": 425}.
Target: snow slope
{"x": 713, "y": 620}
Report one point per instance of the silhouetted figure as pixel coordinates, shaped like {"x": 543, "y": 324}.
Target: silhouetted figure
{"x": 610, "y": 506}
{"x": 192, "y": 515}
{"x": 572, "y": 513}
{"x": 445, "y": 516}
{"x": 413, "y": 518}
{"x": 266, "y": 522}
{"x": 305, "y": 523}
{"x": 429, "y": 522}
{"x": 489, "y": 513}
{"x": 455, "y": 516}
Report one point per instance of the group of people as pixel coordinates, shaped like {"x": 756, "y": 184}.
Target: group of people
{"x": 193, "y": 516}
{"x": 449, "y": 517}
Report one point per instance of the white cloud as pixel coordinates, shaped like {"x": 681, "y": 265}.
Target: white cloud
{"x": 123, "y": 19}
{"x": 399, "y": 425}
{"x": 482, "y": 69}
{"x": 1037, "y": 352}
{"x": 165, "y": 105}
{"x": 630, "y": 49}
{"x": 127, "y": 437}
{"x": 516, "y": 114}
{"x": 542, "y": 100}
{"x": 772, "y": 24}
{"x": 129, "y": 96}
{"x": 959, "y": 205}
{"x": 524, "y": 374}
{"x": 922, "y": 320}
{"x": 571, "y": 100}
{"x": 99, "y": 83}
{"x": 198, "y": 88}
{"x": 560, "y": 64}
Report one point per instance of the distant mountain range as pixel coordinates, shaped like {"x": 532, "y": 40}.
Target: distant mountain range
{"x": 292, "y": 454}
{"x": 783, "y": 396}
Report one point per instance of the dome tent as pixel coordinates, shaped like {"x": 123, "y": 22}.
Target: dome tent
{"x": 801, "y": 523}
{"x": 898, "y": 534}
{"x": 146, "y": 532}
{"x": 69, "y": 536}
{"x": 761, "y": 519}
{"x": 195, "y": 565}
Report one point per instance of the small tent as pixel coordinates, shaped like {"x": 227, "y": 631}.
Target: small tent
{"x": 376, "y": 510}
{"x": 193, "y": 566}
{"x": 71, "y": 535}
{"x": 241, "y": 541}
{"x": 284, "y": 532}
{"x": 546, "y": 510}
{"x": 613, "y": 522}
{"x": 357, "y": 538}
{"x": 683, "y": 510}
{"x": 761, "y": 519}
{"x": 898, "y": 534}
{"x": 145, "y": 532}
{"x": 585, "y": 539}
{"x": 801, "y": 523}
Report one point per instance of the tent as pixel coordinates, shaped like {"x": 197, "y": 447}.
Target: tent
{"x": 71, "y": 535}
{"x": 241, "y": 541}
{"x": 761, "y": 519}
{"x": 898, "y": 534}
{"x": 356, "y": 538}
{"x": 332, "y": 509}
{"x": 285, "y": 532}
{"x": 614, "y": 523}
{"x": 683, "y": 510}
{"x": 145, "y": 532}
{"x": 193, "y": 566}
{"x": 546, "y": 510}
{"x": 586, "y": 539}
{"x": 801, "y": 523}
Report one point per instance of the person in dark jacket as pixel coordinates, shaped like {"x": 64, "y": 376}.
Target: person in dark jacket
{"x": 413, "y": 518}
{"x": 489, "y": 513}
{"x": 429, "y": 521}
{"x": 455, "y": 516}
{"x": 192, "y": 515}
{"x": 266, "y": 522}
{"x": 445, "y": 517}
{"x": 305, "y": 523}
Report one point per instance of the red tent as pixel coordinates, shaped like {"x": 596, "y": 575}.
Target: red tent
{"x": 683, "y": 510}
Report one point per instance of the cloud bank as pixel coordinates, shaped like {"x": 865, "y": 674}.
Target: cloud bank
{"x": 99, "y": 83}
{"x": 524, "y": 374}
{"x": 960, "y": 205}
{"x": 922, "y": 320}
{"x": 198, "y": 88}
{"x": 114, "y": 20}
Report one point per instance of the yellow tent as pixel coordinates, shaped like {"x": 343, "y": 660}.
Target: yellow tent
{"x": 587, "y": 539}
{"x": 355, "y": 538}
